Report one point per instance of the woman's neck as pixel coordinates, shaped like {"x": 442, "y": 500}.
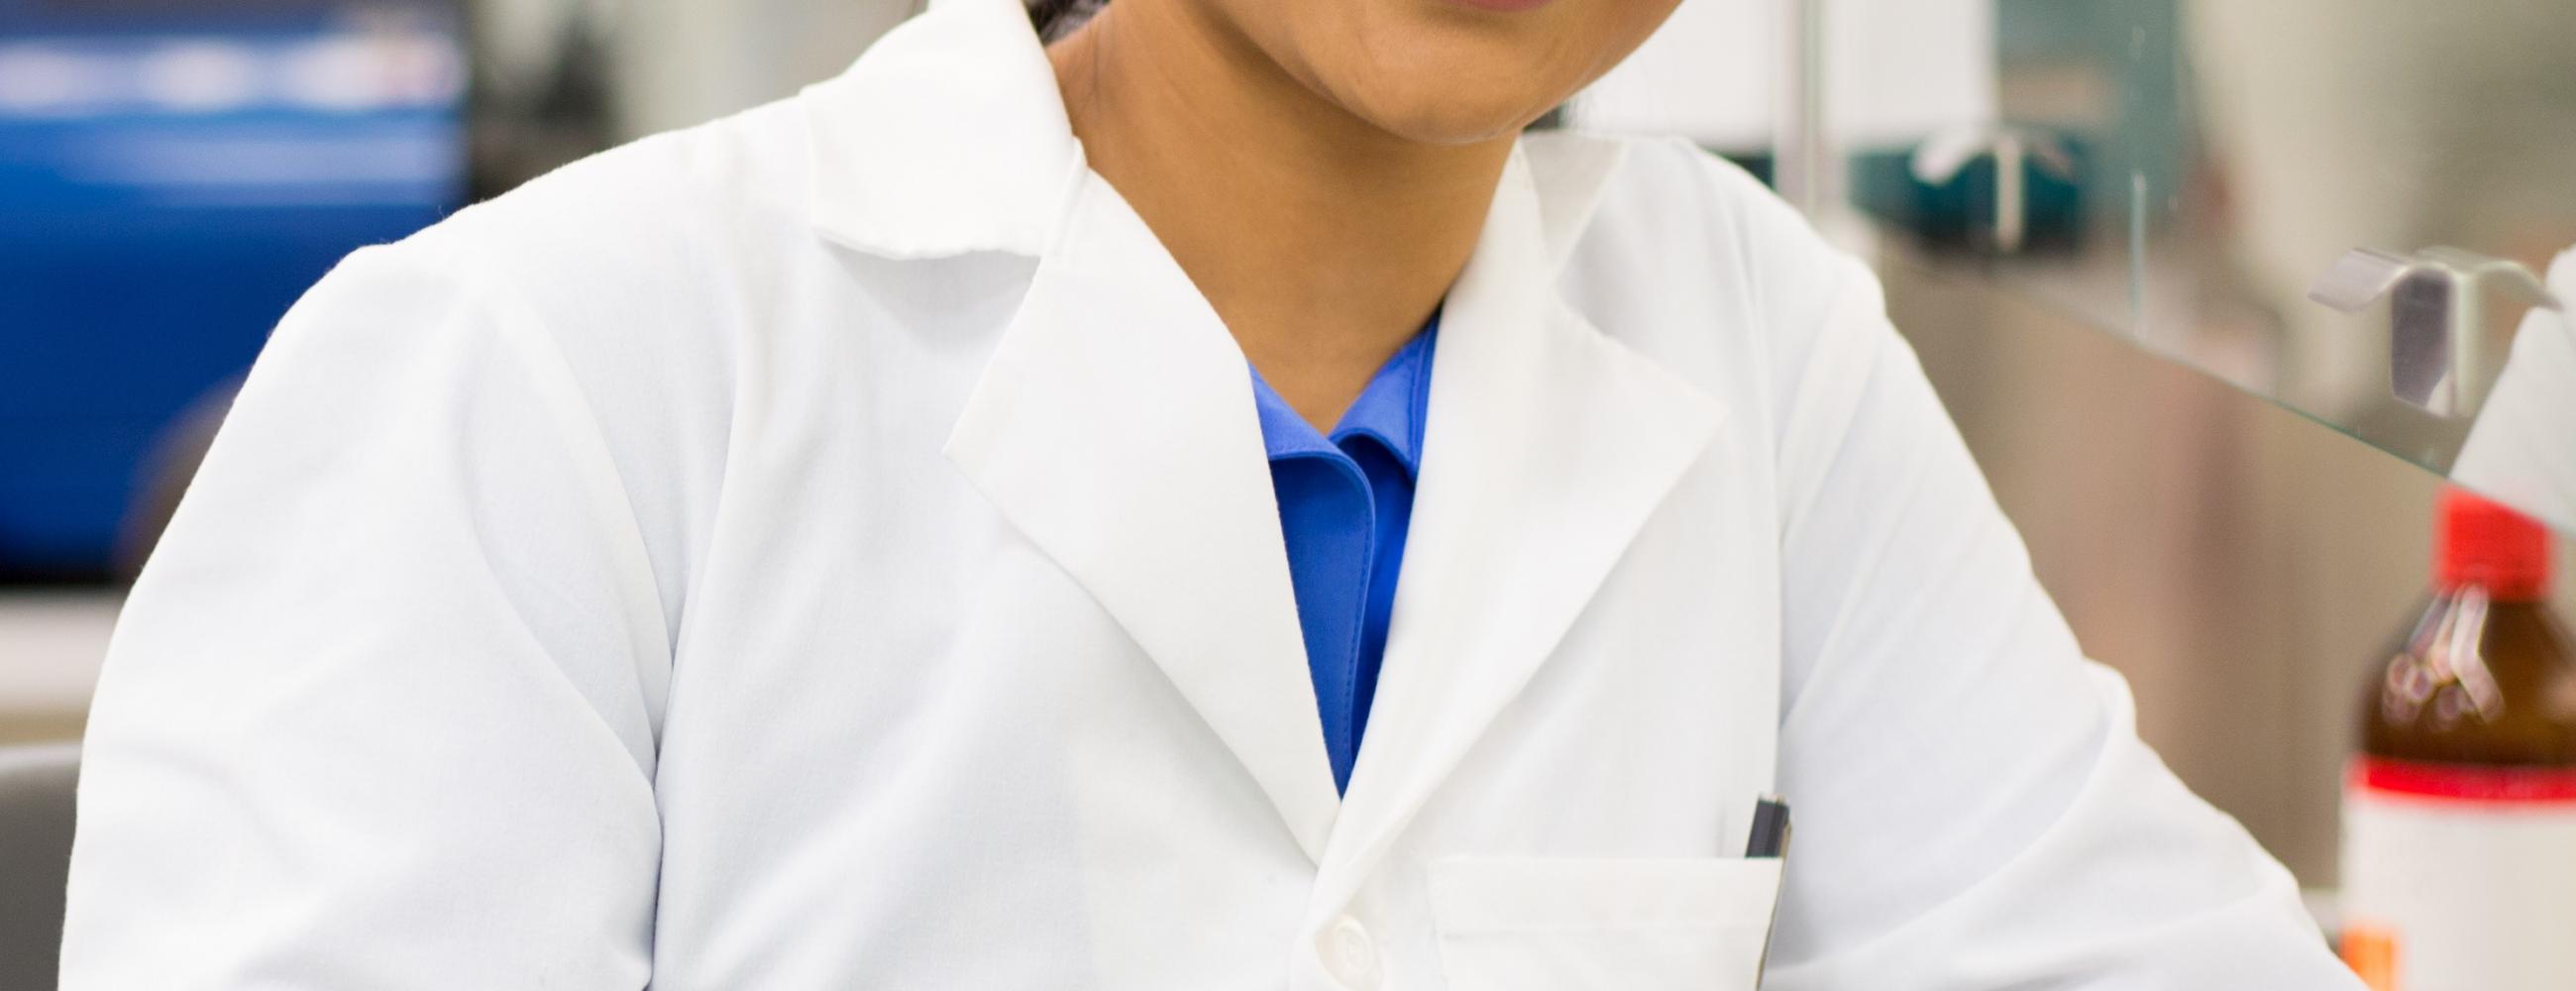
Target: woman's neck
{"x": 1323, "y": 242}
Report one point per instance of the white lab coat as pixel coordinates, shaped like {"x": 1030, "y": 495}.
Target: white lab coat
{"x": 2522, "y": 447}
{"x": 833, "y": 548}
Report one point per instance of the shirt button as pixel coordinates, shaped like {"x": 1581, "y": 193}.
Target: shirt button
{"x": 1350, "y": 954}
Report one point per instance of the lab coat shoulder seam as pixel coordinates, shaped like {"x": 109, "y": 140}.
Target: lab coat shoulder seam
{"x": 517, "y": 325}
{"x": 1831, "y": 384}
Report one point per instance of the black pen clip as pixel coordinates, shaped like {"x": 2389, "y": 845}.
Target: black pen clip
{"x": 1770, "y": 837}
{"x": 1769, "y": 841}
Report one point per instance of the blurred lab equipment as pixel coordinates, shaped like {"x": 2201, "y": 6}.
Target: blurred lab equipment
{"x": 542, "y": 88}
{"x": 2151, "y": 390}
{"x": 1717, "y": 73}
{"x": 173, "y": 176}
{"x": 2459, "y": 847}
{"x": 680, "y": 62}
{"x": 2334, "y": 125}
{"x": 1887, "y": 105}
{"x": 2441, "y": 355}
{"x": 2014, "y": 153}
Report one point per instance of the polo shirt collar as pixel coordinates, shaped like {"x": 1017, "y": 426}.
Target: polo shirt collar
{"x": 1391, "y": 410}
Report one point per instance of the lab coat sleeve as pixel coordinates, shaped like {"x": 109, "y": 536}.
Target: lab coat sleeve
{"x": 2522, "y": 446}
{"x": 1973, "y": 807}
{"x": 380, "y": 712}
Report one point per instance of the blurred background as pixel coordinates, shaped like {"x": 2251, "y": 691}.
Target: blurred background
{"x": 2167, "y": 260}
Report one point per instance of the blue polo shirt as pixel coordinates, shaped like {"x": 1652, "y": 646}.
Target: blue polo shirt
{"x": 1345, "y": 502}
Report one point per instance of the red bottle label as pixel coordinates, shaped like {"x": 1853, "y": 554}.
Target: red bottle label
{"x": 2465, "y": 782}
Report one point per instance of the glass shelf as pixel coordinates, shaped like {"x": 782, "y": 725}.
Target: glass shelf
{"x": 2193, "y": 176}
{"x": 2346, "y": 207}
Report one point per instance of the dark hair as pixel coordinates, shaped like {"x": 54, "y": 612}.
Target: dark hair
{"x": 1057, "y": 18}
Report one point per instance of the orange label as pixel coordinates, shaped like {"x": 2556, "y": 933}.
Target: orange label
{"x": 2371, "y": 953}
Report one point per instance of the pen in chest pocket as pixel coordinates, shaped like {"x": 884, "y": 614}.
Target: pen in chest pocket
{"x": 1769, "y": 840}
{"x": 1770, "y": 836}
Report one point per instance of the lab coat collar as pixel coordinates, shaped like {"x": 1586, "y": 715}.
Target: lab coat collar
{"x": 1174, "y": 530}
{"x": 949, "y": 136}
{"x": 1548, "y": 444}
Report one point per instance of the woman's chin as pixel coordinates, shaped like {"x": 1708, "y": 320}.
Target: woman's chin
{"x": 1448, "y": 115}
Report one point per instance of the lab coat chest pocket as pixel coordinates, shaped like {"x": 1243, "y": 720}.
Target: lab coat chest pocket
{"x": 1630, "y": 924}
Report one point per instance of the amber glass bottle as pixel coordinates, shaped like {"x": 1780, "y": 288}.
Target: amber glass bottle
{"x": 2459, "y": 853}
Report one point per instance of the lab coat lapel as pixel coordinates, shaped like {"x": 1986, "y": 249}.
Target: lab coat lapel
{"x": 1548, "y": 446}
{"x": 1115, "y": 427}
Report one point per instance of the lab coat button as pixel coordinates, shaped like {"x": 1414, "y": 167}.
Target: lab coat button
{"x": 1350, "y": 954}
